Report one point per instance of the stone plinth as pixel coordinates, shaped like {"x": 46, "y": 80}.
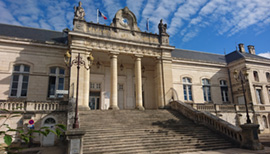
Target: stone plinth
{"x": 75, "y": 139}
{"x": 250, "y": 139}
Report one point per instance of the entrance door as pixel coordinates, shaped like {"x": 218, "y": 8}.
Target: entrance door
{"x": 50, "y": 138}
{"x": 94, "y": 101}
{"x": 121, "y": 96}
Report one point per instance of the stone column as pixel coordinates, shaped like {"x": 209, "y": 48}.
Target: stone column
{"x": 138, "y": 82}
{"x": 114, "y": 82}
{"x": 159, "y": 85}
{"x": 86, "y": 88}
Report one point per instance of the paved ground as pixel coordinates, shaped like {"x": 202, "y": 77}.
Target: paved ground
{"x": 233, "y": 151}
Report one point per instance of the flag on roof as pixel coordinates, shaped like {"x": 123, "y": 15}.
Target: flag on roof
{"x": 100, "y": 14}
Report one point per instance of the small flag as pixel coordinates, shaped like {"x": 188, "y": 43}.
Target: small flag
{"x": 101, "y": 15}
{"x": 147, "y": 24}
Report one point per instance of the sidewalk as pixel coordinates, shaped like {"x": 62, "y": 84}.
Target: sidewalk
{"x": 233, "y": 151}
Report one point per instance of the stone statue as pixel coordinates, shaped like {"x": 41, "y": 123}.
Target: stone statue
{"x": 162, "y": 27}
{"x": 79, "y": 12}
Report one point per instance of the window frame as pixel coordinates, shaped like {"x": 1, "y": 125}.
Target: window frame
{"x": 57, "y": 75}
{"x": 256, "y": 76}
{"x": 187, "y": 88}
{"x": 206, "y": 86}
{"x": 259, "y": 97}
{"x": 267, "y": 75}
{"x": 224, "y": 90}
{"x": 21, "y": 73}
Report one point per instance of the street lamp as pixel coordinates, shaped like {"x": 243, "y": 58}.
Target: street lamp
{"x": 242, "y": 77}
{"x": 78, "y": 61}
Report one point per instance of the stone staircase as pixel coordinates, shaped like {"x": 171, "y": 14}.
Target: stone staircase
{"x": 149, "y": 131}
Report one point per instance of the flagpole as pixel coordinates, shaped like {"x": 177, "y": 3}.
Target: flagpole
{"x": 147, "y": 24}
{"x": 97, "y": 15}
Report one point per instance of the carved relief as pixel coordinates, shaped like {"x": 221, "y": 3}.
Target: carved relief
{"x": 121, "y": 48}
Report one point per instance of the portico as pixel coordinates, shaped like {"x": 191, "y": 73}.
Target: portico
{"x": 121, "y": 51}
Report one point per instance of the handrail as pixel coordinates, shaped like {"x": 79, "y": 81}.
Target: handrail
{"x": 209, "y": 120}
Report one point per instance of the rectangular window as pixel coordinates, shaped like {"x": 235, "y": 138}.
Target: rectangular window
{"x": 224, "y": 94}
{"x": 56, "y": 82}
{"x": 207, "y": 94}
{"x": 52, "y": 81}
{"x": 24, "y": 85}
{"x": 259, "y": 96}
{"x": 20, "y": 78}
{"x": 185, "y": 92}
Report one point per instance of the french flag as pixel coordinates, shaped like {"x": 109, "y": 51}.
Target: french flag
{"x": 101, "y": 15}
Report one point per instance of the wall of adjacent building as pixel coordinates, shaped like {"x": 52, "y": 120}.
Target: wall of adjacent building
{"x": 39, "y": 57}
{"x": 198, "y": 71}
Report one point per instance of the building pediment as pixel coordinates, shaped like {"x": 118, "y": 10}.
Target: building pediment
{"x": 125, "y": 19}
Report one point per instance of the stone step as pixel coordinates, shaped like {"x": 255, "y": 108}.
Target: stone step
{"x": 145, "y": 130}
{"x": 140, "y": 141}
{"x": 149, "y": 131}
{"x": 154, "y": 148}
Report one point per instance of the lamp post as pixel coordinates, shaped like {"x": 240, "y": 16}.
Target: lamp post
{"x": 242, "y": 78}
{"x": 78, "y": 61}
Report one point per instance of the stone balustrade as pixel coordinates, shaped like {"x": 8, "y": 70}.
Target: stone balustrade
{"x": 209, "y": 120}
{"x": 228, "y": 107}
{"x": 33, "y": 106}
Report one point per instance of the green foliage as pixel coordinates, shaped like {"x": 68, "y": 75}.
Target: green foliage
{"x": 25, "y": 135}
{"x": 8, "y": 139}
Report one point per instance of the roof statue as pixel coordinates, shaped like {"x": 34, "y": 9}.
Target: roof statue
{"x": 162, "y": 27}
{"x": 79, "y": 12}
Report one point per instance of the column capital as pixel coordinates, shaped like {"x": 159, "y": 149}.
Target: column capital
{"x": 113, "y": 53}
{"x": 138, "y": 55}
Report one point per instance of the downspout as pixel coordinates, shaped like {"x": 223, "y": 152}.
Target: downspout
{"x": 230, "y": 80}
{"x": 163, "y": 82}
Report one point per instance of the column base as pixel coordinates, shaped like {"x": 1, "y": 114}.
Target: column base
{"x": 140, "y": 108}
{"x": 113, "y": 107}
{"x": 83, "y": 108}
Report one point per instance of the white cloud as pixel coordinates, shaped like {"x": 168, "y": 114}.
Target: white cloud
{"x": 6, "y": 16}
{"x": 112, "y": 6}
{"x": 266, "y": 54}
{"x": 184, "y": 13}
{"x": 156, "y": 10}
{"x": 135, "y": 6}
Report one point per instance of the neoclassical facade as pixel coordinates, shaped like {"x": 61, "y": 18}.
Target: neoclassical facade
{"x": 125, "y": 68}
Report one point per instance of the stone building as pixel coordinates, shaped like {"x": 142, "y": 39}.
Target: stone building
{"x": 124, "y": 68}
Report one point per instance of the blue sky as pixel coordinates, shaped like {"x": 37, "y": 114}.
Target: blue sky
{"x": 214, "y": 26}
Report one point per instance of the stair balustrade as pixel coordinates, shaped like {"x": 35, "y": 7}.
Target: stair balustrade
{"x": 209, "y": 120}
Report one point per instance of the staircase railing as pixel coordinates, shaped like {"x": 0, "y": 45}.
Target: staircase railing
{"x": 209, "y": 120}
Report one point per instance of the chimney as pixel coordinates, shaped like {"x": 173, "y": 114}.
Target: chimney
{"x": 251, "y": 49}
{"x": 241, "y": 48}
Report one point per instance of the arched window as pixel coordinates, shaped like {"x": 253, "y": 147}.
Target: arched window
{"x": 256, "y": 76}
{"x": 187, "y": 89}
{"x": 206, "y": 90}
{"x": 49, "y": 121}
{"x": 265, "y": 124}
{"x": 20, "y": 78}
{"x": 268, "y": 76}
{"x": 56, "y": 82}
{"x": 224, "y": 90}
